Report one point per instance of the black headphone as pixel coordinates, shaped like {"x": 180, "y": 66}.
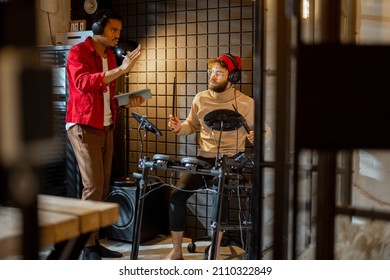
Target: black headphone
{"x": 97, "y": 27}
{"x": 235, "y": 75}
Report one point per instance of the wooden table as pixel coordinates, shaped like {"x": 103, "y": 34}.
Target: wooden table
{"x": 65, "y": 222}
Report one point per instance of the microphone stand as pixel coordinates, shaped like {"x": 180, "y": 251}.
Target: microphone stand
{"x": 142, "y": 142}
{"x": 127, "y": 142}
{"x": 139, "y": 197}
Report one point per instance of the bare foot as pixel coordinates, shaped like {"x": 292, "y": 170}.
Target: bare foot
{"x": 174, "y": 255}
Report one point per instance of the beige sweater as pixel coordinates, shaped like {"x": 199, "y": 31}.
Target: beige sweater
{"x": 206, "y": 101}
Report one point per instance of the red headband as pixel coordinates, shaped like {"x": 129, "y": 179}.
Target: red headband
{"x": 229, "y": 63}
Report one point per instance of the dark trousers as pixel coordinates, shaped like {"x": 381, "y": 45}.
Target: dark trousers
{"x": 183, "y": 191}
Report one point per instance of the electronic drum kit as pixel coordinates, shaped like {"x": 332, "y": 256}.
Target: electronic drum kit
{"x": 220, "y": 120}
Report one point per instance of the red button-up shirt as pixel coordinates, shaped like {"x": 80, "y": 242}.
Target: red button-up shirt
{"x": 84, "y": 68}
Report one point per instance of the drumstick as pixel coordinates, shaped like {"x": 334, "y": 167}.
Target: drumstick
{"x": 244, "y": 123}
{"x": 174, "y": 97}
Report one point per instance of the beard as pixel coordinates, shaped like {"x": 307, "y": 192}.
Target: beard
{"x": 219, "y": 87}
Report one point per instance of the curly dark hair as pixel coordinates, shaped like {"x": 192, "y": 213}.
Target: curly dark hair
{"x": 105, "y": 14}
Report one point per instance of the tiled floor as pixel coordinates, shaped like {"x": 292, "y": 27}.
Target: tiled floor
{"x": 159, "y": 247}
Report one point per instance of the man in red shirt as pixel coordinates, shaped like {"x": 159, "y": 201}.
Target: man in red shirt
{"x": 91, "y": 111}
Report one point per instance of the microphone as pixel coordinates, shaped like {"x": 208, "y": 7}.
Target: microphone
{"x": 143, "y": 120}
{"x": 122, "y": 48}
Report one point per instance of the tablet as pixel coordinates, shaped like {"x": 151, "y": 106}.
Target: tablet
{"x": 124, "y": 98}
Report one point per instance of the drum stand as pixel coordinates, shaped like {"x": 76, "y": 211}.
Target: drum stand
{"x": 139, "y": 196}
{"x": 231, "y": 169}
{"x": 222, "y": 120}
{"x": 216, "y": 225}
{"x": 223, "y": 167}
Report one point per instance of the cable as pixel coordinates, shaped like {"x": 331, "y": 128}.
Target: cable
{"x": 51, "y": 36}
{"x": 201, "y": 190}
{"x": 235, "y": 101}
{"x": 239, "y": 212}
